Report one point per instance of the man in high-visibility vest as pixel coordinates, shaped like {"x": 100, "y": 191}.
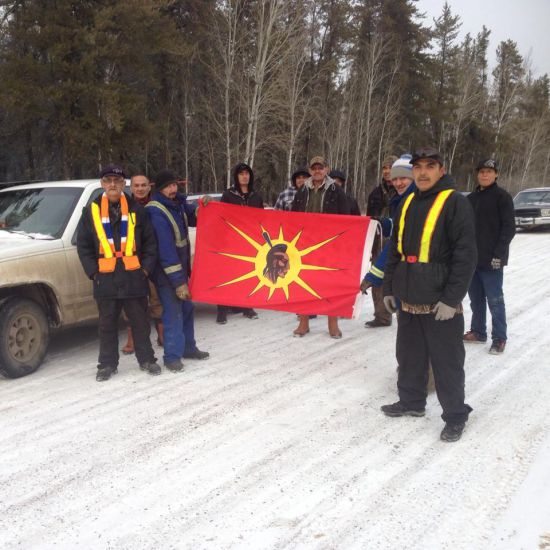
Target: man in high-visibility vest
{"x": 171, "y": 215}
{"x": 117, "y": 248}
{"x": 431, "y": 261}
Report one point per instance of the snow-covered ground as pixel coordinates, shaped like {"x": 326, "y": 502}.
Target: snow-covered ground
{"x": 278, "y": 442}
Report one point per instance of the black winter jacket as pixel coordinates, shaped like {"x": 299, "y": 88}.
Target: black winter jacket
{"x": 379, "y": 199}
{"x": 234, "y": 195}
{"x": 495, "y": 223}
{"x": 334, "y": 199}
{"x": 452, "y": 262}
{"x": 353, "y": 205}
{"x": 120, "y": 283}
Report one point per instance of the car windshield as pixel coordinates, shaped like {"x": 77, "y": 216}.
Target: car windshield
{"x": 38, "y": 213}
{"x": 533, "y": 197}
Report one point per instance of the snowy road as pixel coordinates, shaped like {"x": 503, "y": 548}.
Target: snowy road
{"x": 278, "y": 442}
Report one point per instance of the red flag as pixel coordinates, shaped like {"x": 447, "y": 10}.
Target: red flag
{"x": 289, "y": 261}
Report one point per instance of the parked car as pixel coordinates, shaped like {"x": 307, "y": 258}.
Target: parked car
{"x": 532, "y": 208}
{"x": 42, "y": 284}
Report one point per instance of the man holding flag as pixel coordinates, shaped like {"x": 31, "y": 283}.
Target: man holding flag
{"x": 320, "y": 194}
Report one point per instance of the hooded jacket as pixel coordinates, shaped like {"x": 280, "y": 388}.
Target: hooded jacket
{"x": 234, "y": 195}
{"x": 285, "y": 198}
{"x": 446, "y": 277}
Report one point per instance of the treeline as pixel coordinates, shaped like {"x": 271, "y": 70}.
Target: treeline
{"x": 198, "y": 85}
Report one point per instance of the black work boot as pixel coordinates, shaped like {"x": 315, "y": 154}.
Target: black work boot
{"x": 152, "y": 368}
{"x": 398, "y": 409}
{"x": 221, "y": 318}
{"x": 197, "y": 354}
{"x": 174, "y": 366}
{"x": 452, "y": 431}
{"x": 104, "y": 373}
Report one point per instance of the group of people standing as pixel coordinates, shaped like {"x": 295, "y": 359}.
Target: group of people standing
{"x": 434, "y": 246}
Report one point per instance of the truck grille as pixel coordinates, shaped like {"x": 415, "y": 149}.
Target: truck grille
{"x": 527, "y": 212}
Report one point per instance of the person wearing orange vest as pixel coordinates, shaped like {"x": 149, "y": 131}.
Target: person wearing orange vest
{"x": 117, "y": 249}
{"x": 431, "y": 261}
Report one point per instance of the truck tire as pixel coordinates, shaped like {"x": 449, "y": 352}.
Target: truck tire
{"x": 24, "y": 337}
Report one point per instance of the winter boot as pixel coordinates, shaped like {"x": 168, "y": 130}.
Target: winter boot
{"x": 221, "y": 318}
{"x": 399, "y": 409}
{"x": 452, "y": 431}
{"x": 104, "y": 373}
{"x": 472, "y": 337}
{"x": 197, "y": 354}
{"x": 128, "y": 349}
{"x": 152, "y": 368}
{"x": 174, "y": 366}
{"x": 497, "y": 347}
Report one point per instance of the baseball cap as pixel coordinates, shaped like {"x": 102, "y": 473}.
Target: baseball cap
{"x": 487, "y": 163}
{"x": 317, "y": 160}
{"x": 112, "y": 170}
{"x": 427, "y": 153}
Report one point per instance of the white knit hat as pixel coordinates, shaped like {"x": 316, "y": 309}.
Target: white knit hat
{"x": 402, "y": 167}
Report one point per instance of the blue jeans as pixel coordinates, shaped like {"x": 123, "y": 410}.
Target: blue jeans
{"x": 178, "y": 321}
{"x": 486, "y": 289}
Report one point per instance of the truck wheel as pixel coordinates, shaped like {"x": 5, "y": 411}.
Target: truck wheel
{"x": 24, "y": 337}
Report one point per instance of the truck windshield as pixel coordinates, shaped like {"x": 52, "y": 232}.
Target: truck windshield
{"x": 39, "y": 213}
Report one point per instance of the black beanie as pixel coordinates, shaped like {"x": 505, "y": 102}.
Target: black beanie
{"x": 164, "y": 178}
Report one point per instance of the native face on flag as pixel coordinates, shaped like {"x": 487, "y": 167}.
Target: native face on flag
{"x": 277, "y": 263}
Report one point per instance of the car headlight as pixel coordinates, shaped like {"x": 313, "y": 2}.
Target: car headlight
{"x": 545, "y": 212}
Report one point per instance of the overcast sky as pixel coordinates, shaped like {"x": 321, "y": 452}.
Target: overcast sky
{"x": 527, "y": 22}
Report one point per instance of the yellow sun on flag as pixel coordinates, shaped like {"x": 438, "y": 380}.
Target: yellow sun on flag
{"x": 293, "y": 262}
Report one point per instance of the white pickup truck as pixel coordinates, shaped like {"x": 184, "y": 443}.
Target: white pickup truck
{"x": 42, "y": 284}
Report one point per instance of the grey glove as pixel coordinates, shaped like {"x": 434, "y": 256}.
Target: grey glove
{"x": 496, "y": 263}
{"x": 206, "y": 199}
{"x": 390, "y": 303}
{"x": 443, "y": 312}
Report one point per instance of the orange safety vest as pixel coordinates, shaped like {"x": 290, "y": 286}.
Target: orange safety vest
{"x": 429, "y": 227}
{"x": 107, "y": 252}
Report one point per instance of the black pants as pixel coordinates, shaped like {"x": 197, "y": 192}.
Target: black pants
{"x": 136, "y": 310}
{"x": 422, "y": 340}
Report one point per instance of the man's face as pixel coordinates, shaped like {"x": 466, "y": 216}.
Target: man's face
{"x": 140, "y": 186}
{"x": 401, "y": 184}
{"x": 300, "y": 180}
{"x": 170, "y": 191}
{"x": 339, "y": 182}
{"x": 486, "y": 177}
{"x": 318, "y": 173}
{"x": 112, "y": 185}
{"x": 244, "y": 177}
{"x": 427, "y": 172}
{"x": 386, "y": 173}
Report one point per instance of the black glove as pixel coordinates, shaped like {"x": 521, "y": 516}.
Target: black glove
{"x": 365, "y": 285}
